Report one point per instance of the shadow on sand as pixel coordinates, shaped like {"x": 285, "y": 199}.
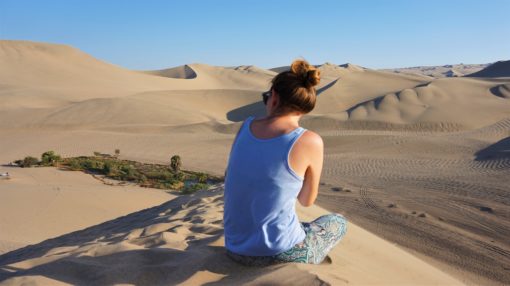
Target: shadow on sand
{"x": 498, "y": 150}
{"x": 125, "y": 250}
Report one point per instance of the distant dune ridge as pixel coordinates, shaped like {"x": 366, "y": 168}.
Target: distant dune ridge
{"x": 441, "y": 71}
{"x": 64, "y": 87}
{"x": 417, "y": 156}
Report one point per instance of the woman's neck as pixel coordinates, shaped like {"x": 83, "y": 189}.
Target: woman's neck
{"x": 292, "y": 118}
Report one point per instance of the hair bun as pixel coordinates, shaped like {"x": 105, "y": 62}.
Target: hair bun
{"x": 309, "y": 74}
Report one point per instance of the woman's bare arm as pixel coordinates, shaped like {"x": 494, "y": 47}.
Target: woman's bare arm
{"x": 310, "y": 188}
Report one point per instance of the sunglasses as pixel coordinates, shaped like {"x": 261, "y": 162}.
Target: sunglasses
{"x": 265, "y": 96}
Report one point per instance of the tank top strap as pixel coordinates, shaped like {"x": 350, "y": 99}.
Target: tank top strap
{"x": 300, "y": 130}
{"x": 249, "y": 119}
{"x": 247, "y": 122}
{"x": 297, "y": 133}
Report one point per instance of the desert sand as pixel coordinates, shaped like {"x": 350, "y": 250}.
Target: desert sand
{"x": 181, "y": 242}
{"x": 419, "y": 166}
{"x": 456, "y": 70}
{"x": 39, "y": 203}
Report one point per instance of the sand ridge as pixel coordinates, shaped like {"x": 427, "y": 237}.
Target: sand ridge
{"x": 456, "y": 70}
{"x": 62, "y": 87}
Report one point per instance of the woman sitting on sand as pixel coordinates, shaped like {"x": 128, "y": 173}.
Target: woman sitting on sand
{"x": 273, "y": 161}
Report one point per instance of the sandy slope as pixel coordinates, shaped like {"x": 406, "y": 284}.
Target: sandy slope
{"x": 181, "y": 241}
{"x": 432, "y": 146}
{"x": 39, "y": 203}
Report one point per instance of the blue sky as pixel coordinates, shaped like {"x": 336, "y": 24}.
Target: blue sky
{"x": 154, "y": 34}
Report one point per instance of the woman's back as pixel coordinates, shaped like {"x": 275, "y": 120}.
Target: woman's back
{"x": 260, "y": 194}
{"x": 308, "y": 146}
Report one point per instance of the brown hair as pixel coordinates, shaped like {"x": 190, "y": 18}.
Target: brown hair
{"x": 296, "y": 88}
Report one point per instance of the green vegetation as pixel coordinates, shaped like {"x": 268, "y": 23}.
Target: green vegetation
{"x": 49, "y": 158}
{"x": 29, "y": 161}
{"x": 146, "y": 175}
{"x": 202, "y": 177}
{"x": 194, "y": 188}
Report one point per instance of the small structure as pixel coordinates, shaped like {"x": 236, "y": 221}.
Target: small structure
{"x": 5, "y": 175}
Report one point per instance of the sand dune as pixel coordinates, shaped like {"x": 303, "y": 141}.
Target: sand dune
{"x": 441, "y": 71}
{"x": 497, "y": 69}
{"x": 350, "y": 89}
{"x": 61, "y": 86}
{"x": 38, "y": 75}
{"x": 472, "y": 104}
{"x": 452, "y": 73}
{"x": 214, "y": 77}
{"x": 33, "y": 72}
{"x": 233, "y": 78}
{"x": 182, "y": 72}
{"x": 502, "y": 90}
{"x": 431, "y": 146}
{"x": 149, "y": 109}
{"x": 181, "y": 241}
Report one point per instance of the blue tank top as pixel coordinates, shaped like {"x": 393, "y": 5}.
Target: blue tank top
{"x": 260, "y": 195}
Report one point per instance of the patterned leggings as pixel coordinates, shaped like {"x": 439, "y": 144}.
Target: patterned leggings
{"x": 322, "y": 235}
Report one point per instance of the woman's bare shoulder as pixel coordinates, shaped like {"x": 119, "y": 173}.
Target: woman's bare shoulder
{"x": 312, "y": 139}
{"x": 310, "y": 143}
